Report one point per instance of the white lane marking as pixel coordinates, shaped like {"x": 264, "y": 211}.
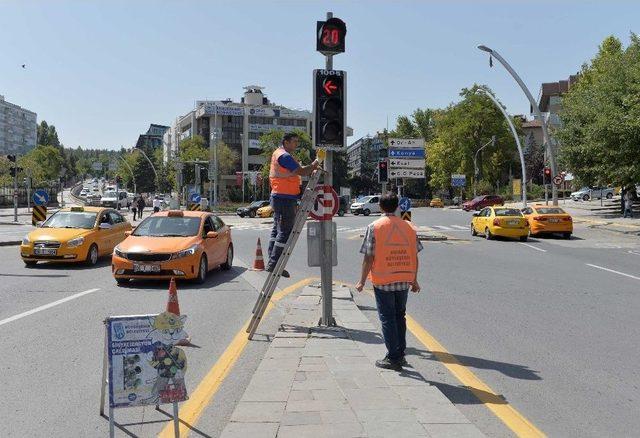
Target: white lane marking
{"x": 47, "y": 306}
{"x": 634, "y": 252}
{"x": 460, "y": 227}
{"x": 441, "y": 227}
{"x": 533, "y": 247}
{"x": 615, "y": 272}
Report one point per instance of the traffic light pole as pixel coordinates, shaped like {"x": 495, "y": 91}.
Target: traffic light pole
{"x": 326, "y": 235}
{"x": 15, "y": 190}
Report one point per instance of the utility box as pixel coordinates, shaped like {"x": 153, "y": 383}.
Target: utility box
{"x": 314, "y": 242}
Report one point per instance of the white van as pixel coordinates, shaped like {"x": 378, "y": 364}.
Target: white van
{"x": 366, "y": 205}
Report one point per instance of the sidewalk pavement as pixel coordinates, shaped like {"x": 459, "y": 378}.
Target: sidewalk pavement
{"x": 322, "y": 382}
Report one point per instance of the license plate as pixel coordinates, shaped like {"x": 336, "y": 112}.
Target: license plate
{"x": 513, "y": 222}
{"x": 45, "y": 251}
{"x": 146, "y": 268}
{"x": 554, "y": 221}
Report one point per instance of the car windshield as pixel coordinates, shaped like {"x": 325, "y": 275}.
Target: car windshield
{"x": 256, "y": 204}
{"x": 478, "y": 198}
{"x": 71, "y": 219}
{"x": 109, "y": 195}
{"x": 168, "y": 226}
{"x": 365, "y": 199}
{"x": 507, "y": 212}
{"x": 550, "y": 210}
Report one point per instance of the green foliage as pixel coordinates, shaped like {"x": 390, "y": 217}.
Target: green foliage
{"x": 44, "y": 162}
{"x": 600, "y": 133}
{"x": 47, "y": 135}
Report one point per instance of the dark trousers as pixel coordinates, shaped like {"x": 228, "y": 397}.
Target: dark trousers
{"x": 140, "y": 212}
{"x": 284, "y": 215}
{"x": 156, "y": 209}
{"x": 134, "y": 211}
{"x": 392, "y": 307}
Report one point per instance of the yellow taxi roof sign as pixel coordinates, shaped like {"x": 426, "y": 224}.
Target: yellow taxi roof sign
{"x": 77, "y": 209}
{"x": 175, "y": 213}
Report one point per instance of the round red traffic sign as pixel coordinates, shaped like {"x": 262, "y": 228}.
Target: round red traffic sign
{"x": 558, "y": 179}
{"x": 326, "y": 203}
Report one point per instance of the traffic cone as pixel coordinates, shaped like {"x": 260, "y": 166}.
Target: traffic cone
{"x": 172, "y": 302}
{"x": 258, "y": 263}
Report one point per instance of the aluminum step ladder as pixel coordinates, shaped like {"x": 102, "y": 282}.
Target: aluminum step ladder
{"x": 271, "y": 282}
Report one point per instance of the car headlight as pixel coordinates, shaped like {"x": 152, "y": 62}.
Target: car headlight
{"x": 75, "y": 242}
{"x": 25, "y": 240}
{"x": 119, "y": 253}
{"x": 185, "y": 253}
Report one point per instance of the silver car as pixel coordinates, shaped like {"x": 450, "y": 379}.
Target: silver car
{"x": 588, "y": 193}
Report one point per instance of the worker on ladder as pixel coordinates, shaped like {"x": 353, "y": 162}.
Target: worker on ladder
{"x": 284, "y": 177}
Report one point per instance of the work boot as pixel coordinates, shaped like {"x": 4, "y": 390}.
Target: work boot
{"x": 389, "y": 364}
{"x": 284, "y": 274}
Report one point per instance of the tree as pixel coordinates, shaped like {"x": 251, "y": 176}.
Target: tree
{"x": 47, "y": 135}
{"x": 600, "y": 132}
{"x": 44, "y": 162}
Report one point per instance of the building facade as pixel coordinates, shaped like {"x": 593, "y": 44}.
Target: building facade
{"x": 152, "y": 139}
{"x": 239, "y": 126}
{"x": 363, "y": 155}
{"x": 18, "y": 128}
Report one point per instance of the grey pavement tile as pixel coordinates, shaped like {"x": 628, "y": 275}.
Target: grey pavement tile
{"x": 440, "y": 413}
{"x": 371, "y": 398}
{"x": 310, "y": 291}
{"x": 327, "y": 394}
{"x": 346, "y": 315}
{"x": 419, "y": 396}
{"x": 330, "y": 383}
{"x": 395, "y": 429}
{"x": 407, "y": 377}
{"x": 265, "y": 394}
{"x": 283, "y": 342}
{"x": 307, "y": 299}
{"x": 359, "y": 326}
{"x": 453, "y": 431}
{"x": 291, "y": 333}
{"x": 283, "y": 363}
{"x": 328, "y": 351}
{"x": 313, "y": 367}
{"x": 316, "y": 375}
{"x": 340, "y": 430}
{"x": 298, "y": 418}
{"x": 283, "y": 352}
{"x": 316, "y": 405}
{"x": 311, "y": 360}
{"x": 332, "y": 344}
{"x": 346, "y": 384}
{"x": 254, "y": 430}
{"x": 258, "y": 412}
{"x": 269, "y": 386}
{"x": 327, "y": 332}
{"x": 300, "y": 394}
{"x": 342, "y": 416}
{"x": 389, "y": 414}
{"x": 363, "y": 378}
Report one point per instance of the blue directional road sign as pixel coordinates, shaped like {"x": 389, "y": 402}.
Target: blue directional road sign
{"x": 458, "y": 180}
{"x": 195, "y": 198}
{"x": 405, "y": 204}
{"x": 406, "y": 153}
{"x": 40, "y": 197}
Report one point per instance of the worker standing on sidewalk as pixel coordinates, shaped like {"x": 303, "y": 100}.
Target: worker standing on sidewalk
{"x": 390, "y": 249}
{"x": 284, "y": 176}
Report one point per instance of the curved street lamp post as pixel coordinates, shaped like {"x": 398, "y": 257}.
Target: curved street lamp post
{"x": 133, "y": 177}
{"x": 536, "y": 110}
{"x": 517, "y": 139}
{"x": 150, "y": 163}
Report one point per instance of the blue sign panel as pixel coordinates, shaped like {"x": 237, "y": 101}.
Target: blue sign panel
{"x": 458, "y": 180}
{"x": 407, "y": 153}
{"x": 40, "y": 197}
{"x": 195, "y": 198}
{"x": 405, "y": 204}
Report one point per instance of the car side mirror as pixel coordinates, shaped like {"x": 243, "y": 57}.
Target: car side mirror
{"x": 212, "y": 234}
{"x": 127, "y": 233}
{"x": 476, "y": 213}
{"x": 105, "y": 226}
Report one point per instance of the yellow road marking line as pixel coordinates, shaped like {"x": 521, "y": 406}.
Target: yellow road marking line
{"x": 200, "y": 398}
{"x": 513, "y": 419}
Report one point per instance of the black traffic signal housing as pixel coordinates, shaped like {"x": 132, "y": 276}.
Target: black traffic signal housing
{"x": 383, "y": 153}
{"x": 330, "y": 36}
{"x": 329, "y": 109}
{"x": 546, "y": 173}
{"x": 11, "y": 158}
{"x": 383, "y": 171}
{"x": 14, "y": 170}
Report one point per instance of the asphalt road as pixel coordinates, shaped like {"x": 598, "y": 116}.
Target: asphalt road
{"x": 543, "y": 324}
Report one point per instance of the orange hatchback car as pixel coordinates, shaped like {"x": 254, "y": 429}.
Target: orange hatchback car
{"x": 546, "y": 219}
{"x": 174, "y": 243}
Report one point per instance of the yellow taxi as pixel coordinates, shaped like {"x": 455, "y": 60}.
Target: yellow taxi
{"x": 437, "y": 203}
{"x": 547, "y": 219}
{"x": 266, "y": 211}
{"x": 500, "y": 221}
{"x": 76, "y": 234}
{"x": 174, "y": 243}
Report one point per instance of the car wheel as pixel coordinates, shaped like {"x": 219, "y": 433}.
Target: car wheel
{"x": 487, "y": 234}
{"x": 30, "y": 263}
{"x": 227, "y": 265}
{"x": 252, "y": 214}
{"x": 202, "y": 270}
{"x": 366, "y": 212}
{"x": 92, "y": 255}
{"x": 585, "y": 198}
{"x": 609, "y": 195}
{"x": 355, "y": 214}
{"x": 473, "y": 231}
{"x": 523, "y": 238}
{"x": 241, "y": 215}
{"x": 122, "y": 281}
{"x": 566, "y": 236}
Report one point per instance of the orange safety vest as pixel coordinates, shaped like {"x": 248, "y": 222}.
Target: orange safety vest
{"x": 283, "y": 181}
{"x": 395, "y": 256}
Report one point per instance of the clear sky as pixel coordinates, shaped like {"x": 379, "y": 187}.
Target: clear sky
{"x": 102, "y": 71}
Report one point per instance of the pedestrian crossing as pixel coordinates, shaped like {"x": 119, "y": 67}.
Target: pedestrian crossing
{"x": 247, "y": 226}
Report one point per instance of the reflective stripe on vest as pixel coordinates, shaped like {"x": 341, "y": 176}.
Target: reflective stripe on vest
{"x": 283, "y": 181}
{"x": 395, "y": 256}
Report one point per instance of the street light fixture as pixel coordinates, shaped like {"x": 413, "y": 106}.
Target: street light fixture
{"x": 536, "y": 110}
{"x": 150, "y": 163}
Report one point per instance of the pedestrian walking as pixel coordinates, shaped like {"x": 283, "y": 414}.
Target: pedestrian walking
{"x": 628, "y": 204}
{"x": 284, "y": 176}
{"x": 157, "y": 204}
{"x": 134, "y": 207}
{"x": 141, "y": 205}
{"x": 390, "y": 249}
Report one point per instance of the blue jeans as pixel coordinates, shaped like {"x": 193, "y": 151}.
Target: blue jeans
{"x": 392, "y": 307}
{"x": 284, "y": 215}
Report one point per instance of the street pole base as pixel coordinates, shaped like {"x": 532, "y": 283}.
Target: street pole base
{"x": 332, "y": 322}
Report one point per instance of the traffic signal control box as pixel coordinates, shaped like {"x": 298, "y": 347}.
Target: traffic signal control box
{"x": 329, "y": 109}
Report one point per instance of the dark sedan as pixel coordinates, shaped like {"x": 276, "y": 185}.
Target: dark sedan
{"x": 482, "y": 201}
{"x": 251, "y": 209}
